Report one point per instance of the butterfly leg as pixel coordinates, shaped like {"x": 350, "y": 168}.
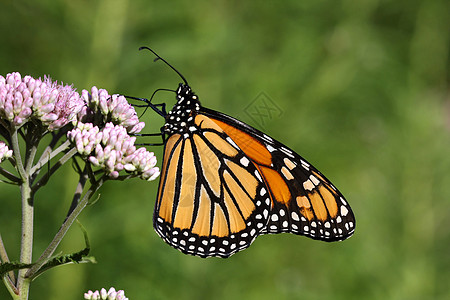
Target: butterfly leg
{"x": 148, "y": 103}
{"x": 163, "y": 137}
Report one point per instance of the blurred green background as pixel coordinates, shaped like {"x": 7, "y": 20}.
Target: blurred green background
{"x": 363, "y": 90}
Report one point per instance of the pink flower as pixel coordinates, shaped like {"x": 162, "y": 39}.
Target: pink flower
{"x": 15, "y": 99}
{"x": 102, "y": 122}
{"x": 4, "y": 151}
{"x": 55, "y": 105}
{"x": 115, "y": 109}
{"x": 113, "y": 150}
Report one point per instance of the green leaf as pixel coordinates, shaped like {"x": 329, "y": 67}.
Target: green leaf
{"x": 12, "y": 266}
{"x": 79, "y": 257}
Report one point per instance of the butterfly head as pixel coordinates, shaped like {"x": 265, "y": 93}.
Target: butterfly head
{"x": 182, "y": 115}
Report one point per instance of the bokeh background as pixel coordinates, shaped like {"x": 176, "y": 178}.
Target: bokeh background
{"x": 362, "y": 89}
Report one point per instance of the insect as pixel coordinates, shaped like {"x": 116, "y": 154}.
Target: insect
{"x": 223, "y": 183}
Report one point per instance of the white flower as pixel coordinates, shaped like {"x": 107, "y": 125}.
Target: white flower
{"x": 104, "y": 295}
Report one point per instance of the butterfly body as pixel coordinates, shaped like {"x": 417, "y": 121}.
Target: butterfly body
{"x": 223, "y": 183}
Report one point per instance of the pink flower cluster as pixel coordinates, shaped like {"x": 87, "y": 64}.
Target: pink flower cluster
{"x": 22, "y": 98}
{"x": 105, "y": 295}
{"x": 4, "y": 151}
{"x": 102, "y": 122}
{"x": 113, "y": 150}
{"x": 113, "y": 108}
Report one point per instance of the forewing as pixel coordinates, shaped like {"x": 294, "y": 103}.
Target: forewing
{"x": 304, "y": 201}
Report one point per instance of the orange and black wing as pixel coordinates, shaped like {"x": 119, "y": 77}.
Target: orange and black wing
{"x": 223, "y": 183}
{"x": 303, "y": 200}
{"x": 212, "y": 199}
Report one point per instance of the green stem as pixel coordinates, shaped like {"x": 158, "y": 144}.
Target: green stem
{"x": 3, "y": 253}
{"x": 17, "y": 154}
{"x": 78, "y": 191}
{"x": 32, "y": 140}
{"x": 23, "y": 283}
{"x": 47, "y": 155}
{"x": 13, "y": 291}
{"x": 5, "y": 259}
{"x": 63, "y": 230}
{"x": 26, "y": 249}
{"x": 30, "y": 158}
{"x": 43, "y": 180}
{"x": 9, "y": 175}
{"x": 8, "y": 279}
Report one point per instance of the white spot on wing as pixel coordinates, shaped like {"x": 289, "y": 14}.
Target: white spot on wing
{"x": 314, "y": 180}
{"x": 288, "y": 175}
{"x": 244, "y": 161}
{"x": 270, "y": 148}
{"x": 286, "y": 151}
{"x": 267, "y": 138}
{"x": 258, "y": 175}
{"x": 308, "y": 185}
{"x": 229, "y": 140}
{"x": 262, "y": 192}
{"x": 304, "y": 164}
{"x": 290, "y": 164}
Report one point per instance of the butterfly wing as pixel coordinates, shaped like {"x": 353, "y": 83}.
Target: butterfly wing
{"x": 223, "y": 183}
{"x": 303, "y": 200}
{"x": 212, "y": 200}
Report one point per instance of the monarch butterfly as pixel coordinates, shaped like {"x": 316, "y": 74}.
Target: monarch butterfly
{"x": 223, "y": 183}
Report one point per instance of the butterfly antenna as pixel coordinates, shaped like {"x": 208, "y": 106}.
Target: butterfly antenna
{"x": 160, "y": 58}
